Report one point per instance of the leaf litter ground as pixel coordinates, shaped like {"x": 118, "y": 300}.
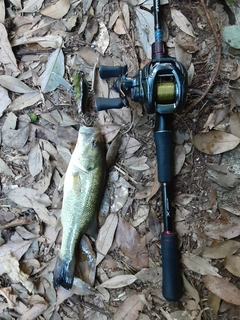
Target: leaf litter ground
{"x": 118, "y": 276}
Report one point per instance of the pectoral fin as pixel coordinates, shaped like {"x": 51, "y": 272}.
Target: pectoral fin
{"x": 76, "y": 182}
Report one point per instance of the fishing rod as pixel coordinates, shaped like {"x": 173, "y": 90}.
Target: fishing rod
{"x": 161, "y": 88}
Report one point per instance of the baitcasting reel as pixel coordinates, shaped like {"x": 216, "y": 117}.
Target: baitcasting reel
{"x": 160, "y": 87}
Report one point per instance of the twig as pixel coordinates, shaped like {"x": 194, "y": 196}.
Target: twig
{"x": 127, "y": 32}
{"x": 218, "y": 58}
{"x": 16, "y": 223}
{"x": 96, "y": 308}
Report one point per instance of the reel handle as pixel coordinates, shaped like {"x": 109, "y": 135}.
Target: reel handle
{"x": 109, "y": 103}
{"x": 110, "y": 71}
{"x": 171, "y": 273}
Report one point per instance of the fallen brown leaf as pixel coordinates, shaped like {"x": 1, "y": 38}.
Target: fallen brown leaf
{"x": 223, "y": 289}
{"x": 199, "y": 265}
{"x": 119, "y": 281}
{"x": 129, "y": 241}
{"x": 105, "y": 237}
{"x": 221, "y": 249}
{"x": 232, "y": 264}
{"x": 130, "y": 308}
{"x": 215, "y": 142}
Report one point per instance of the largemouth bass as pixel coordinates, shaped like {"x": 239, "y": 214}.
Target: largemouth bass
{"x": 82, "y": 193}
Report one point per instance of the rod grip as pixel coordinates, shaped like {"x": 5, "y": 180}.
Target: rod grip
{"x": 110, "y": 71}
{"x": 108, "y": 103}
{"x": 171, "y": 274}
{"x": 163, "y": 141}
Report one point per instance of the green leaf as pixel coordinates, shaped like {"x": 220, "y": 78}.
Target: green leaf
{"x": 231, "y": 35}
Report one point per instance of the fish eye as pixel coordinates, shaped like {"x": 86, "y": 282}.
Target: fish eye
{"x": 95, "y": 143}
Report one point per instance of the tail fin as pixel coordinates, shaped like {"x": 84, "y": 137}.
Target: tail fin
{"x": 64, "y": 273}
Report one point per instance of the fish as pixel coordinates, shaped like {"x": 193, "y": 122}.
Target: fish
{"x": 83, "y": 190}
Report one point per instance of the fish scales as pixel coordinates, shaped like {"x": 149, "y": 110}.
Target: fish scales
{"x": 83, "y": 188}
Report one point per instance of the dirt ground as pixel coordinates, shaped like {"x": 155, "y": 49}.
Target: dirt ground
{"x": 119, "y": 275}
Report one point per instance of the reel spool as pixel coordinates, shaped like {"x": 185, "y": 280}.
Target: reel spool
{"x": 166, "y": 92}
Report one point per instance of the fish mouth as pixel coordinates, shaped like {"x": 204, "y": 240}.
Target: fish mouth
{"x": 89, "y": 130}
{"x": 87, "y": 133}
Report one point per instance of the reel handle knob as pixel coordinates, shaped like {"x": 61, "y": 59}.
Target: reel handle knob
{"x": 109, "y": 103}
{"x": 110, "y": 71}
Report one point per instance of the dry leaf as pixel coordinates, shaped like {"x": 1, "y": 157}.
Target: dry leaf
{"x": 43, "y": 184}
{"x": 192, "y": 291}
{"x": 180, "y": 315}
{"x": 113, "y": 19}
{"x": 6, "y": 54}
{"x": 136, "y": 163}
{"x": 199, "y": 265}
{"x": 131, "y": 244}
{"x": 34, "y": 312}
{"x": 224, "y": 227}
{"x": 22, "y": 196}
{"x": 103, "y": 38}
{"x": 17, "y": 249}
{"x": 119, "y": 281}
{"x": 43, "y": 213}
{"x": 11, "y": 267}
{"x": 145, "y": 27}
{"x": 86, "y": 261}
{"x": 119, "y": 27}
{"x": 188, "y": 43}
{"x": 14, "y": 84}
{"x": 57, "y": 10}
{"x": 2, "y": 11}
{"x": 184, "y": 199}
{"x": 235, "y": 123}
{"x": 32, "y": 6}
{"x": 91, "y": 30}
{"x": 105, "y": 237}
{"x": 49, "y": 40}
{"x": 213, "y": 302}
{"x": 223, "y": 289}
{"x": 179, "y": 158}
{"x": 79, "y": 287}
{"x": 100, "y": 87}
{"x": 152, "y": 275}
{"x": 130, "y": 308}
{"x": 182, "y": 22}
{"x": 35, "y": 160}
{"x": 215, "y": 142}
{"x": 4, "y": 168}
{"x": 55, "y": 65}
{"x": 183, "y": 56}
{"x": 4, "y": 100}
{"x": 229, "y": 206}
{"x": 110, "y": 131}
{"x": 120, "y": 198}
{"x": 221, "y": 175}
{"x": 216, "y": 117}
{"x": 15, "y": 138}
{"x": 140, "y": 215}
{"x": 26, "y": 100}
{"x": 112, "y": 151}
{"x": 126, "y": 14}
{"x": 232, "y": 264}
{"x": 221, "y": 249}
